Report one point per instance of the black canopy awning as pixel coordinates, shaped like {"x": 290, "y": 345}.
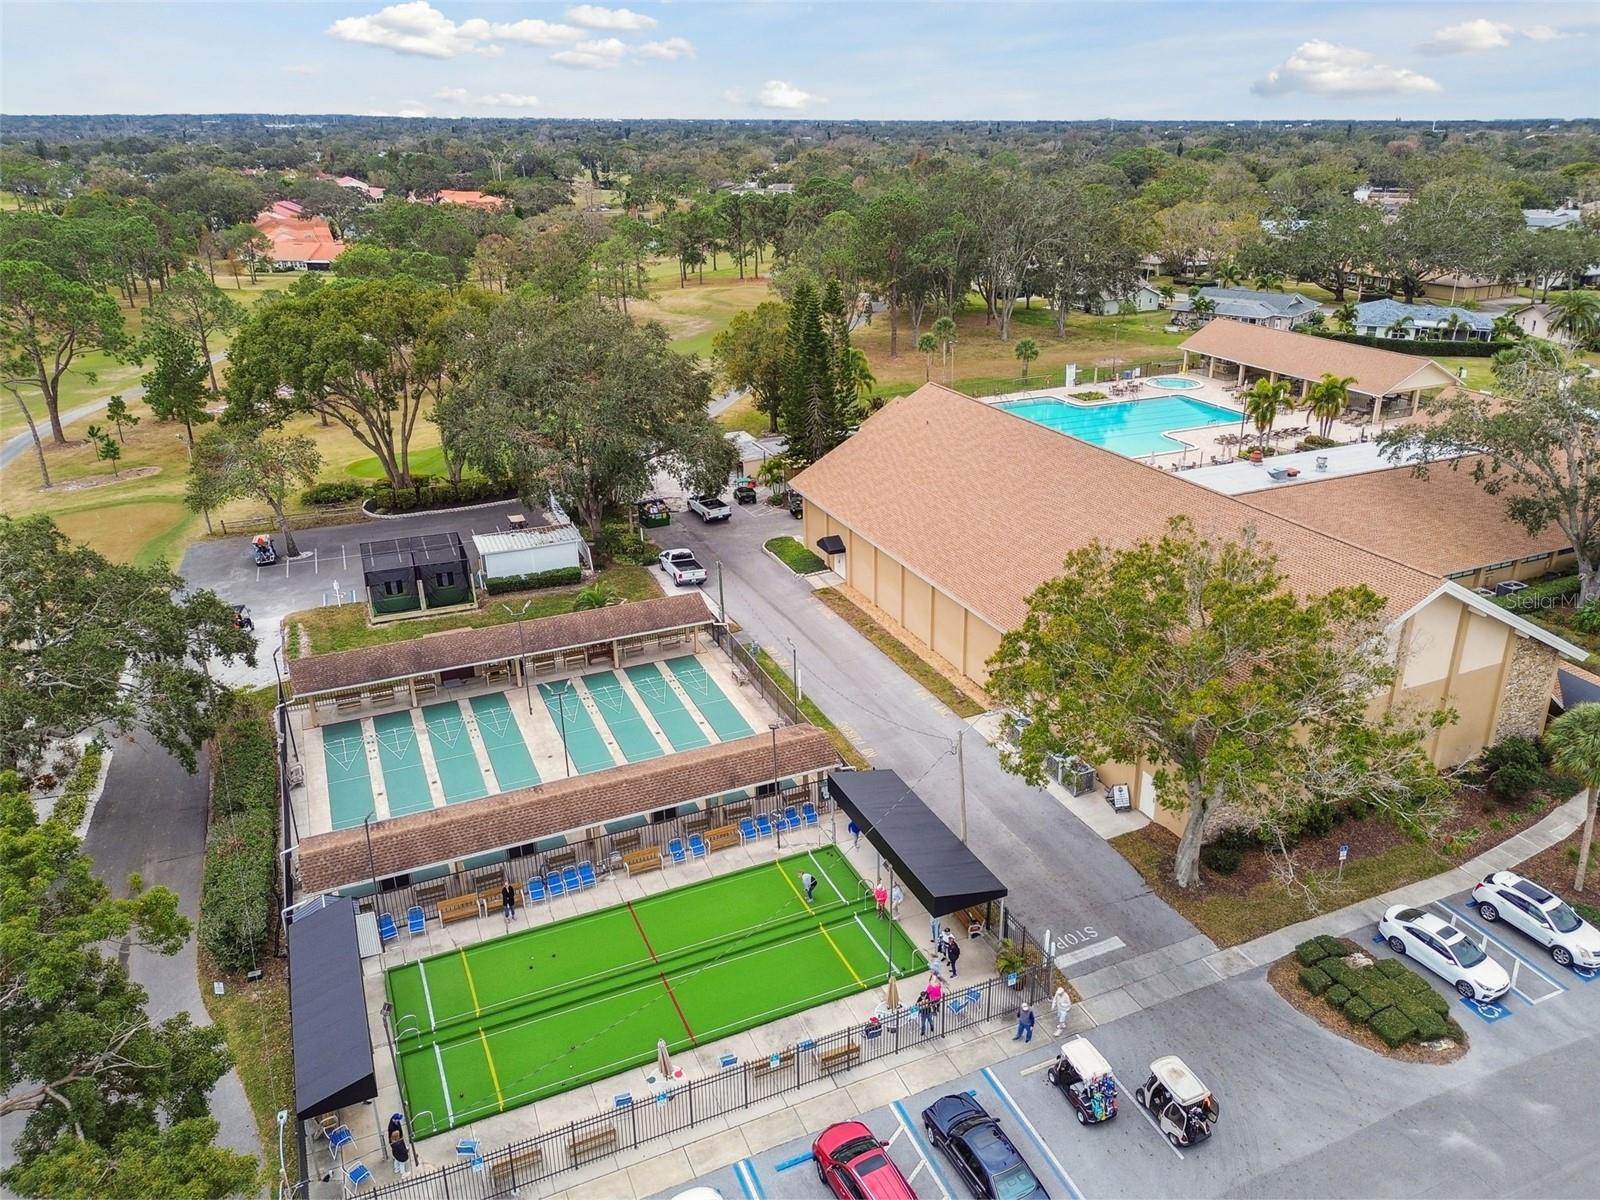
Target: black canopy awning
{"x": 930, "y": 859}
{"x": 328, "y": 1011}
{"x": 832, "y": 544}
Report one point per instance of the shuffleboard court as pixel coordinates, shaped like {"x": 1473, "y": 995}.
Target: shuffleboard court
{"x": 664, "y": 705}
{"x": 403, "y": 777}
{"x": 507, "y": 1022}
{"x": 714, "y": 706}
{"x": 344, "y": 751}
{"x": 459, "y": 774}
{"x": 627, "y": 727}
{"x": 508, "y": 753}
{"x": 585, "y": 746}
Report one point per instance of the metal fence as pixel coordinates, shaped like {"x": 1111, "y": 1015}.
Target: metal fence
{"x": 748, "y": 667}
{"x": 636, "y": 1120}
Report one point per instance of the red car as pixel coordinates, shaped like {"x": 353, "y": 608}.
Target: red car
{"x": 851, "y": 1162}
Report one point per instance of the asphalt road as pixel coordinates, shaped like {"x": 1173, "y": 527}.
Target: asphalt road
{"x": 1062, "y": 876}
{"x": 151, "y": 820}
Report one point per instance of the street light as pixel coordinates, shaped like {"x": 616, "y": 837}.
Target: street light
{"x": 777, "y": 789}
{"x": 372, "y": 867}
{"x": 566, "y": 686}
{"x": 794, "y": 663}
{"x": 522, "y": 651}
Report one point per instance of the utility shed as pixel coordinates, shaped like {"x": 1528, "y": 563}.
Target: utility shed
{"x": 409, "y": 574}
{"x": 528, "y": 551}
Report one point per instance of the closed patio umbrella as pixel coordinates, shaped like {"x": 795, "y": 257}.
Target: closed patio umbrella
{"x": 891, "y": 997}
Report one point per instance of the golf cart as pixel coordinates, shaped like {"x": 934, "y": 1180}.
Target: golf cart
{"x": 744, "y": 492}
{"x": 266, "y": 552}
{"x": 1084, "y": 1078}
{"x": 797, "y": 506}
{"x": 241, "y": 618}
{"x": 1184, "y": 1110}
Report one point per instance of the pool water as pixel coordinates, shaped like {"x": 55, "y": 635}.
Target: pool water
{"x": 1131, "y": 427}
{"x": 1175, "y": 382}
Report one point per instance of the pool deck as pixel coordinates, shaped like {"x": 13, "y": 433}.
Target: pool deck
{"x": 1200, "y": 445}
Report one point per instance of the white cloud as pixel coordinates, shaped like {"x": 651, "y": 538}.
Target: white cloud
{"x": 408, "y": 108}
{"x": 509, "y": 100}
{"x": 453, "y": 95}
{"x": 299, "y": 69}
{"x": 1545, "y": 33}
{"x": 600, "y": 55}
{"x": 671, "y": 48}
{"x": 623, "y": 20}
{"x": 1323, "y": 69}
{"x": 416, "y": 27}
{"x": 780, "y": 93}
{"x": 1478, "y": 34}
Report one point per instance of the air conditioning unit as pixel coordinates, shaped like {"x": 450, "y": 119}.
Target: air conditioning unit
{"x": 1083, "y": 780}
{"x": 1059, "y": 767}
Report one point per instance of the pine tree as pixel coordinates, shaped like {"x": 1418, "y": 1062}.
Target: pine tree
{"x": 816, "y": 410}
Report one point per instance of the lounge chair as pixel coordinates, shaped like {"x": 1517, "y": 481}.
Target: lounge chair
{"x": 586, "y": 873}
{"x": 808, "y": 811}
{"x": 357, "y": 1177}
{"x": 791, "y": 819}
{"x": 675, "y": 848}
{"x": 569, "y": 877}
{"x": 553, "y": 884}
{"x": 747, "y": 829}
{"x": 697, "y": 845}
{"x": 338, "y": 1138}
{"x": 386, "y": 930}
{"x": 416, "y": 920}
{"x": 535, "y": 890}
{"x": 764, "y": 825}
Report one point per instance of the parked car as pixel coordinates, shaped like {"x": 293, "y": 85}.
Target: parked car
{"x": 682, "y": 566}
{"x": 979, "y": 1150}
{"x": 745, "y": 492}
{"x": 710, "y": 508}
{"x": 1445, "y": 950}
{"x": 852, "y": 1163}
{"x": 1541, "y": 914}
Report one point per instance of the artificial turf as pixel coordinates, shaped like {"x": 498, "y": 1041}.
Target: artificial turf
{"x": 506, "y": 1022}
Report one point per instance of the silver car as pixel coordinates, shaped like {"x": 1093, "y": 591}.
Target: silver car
{"x": 1541, "y": 914}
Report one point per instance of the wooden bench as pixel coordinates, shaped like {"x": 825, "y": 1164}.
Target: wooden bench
{"x": 590, "y": 1145}
{"x": 491, "y": 899}
{"x": 557, "y": 859}
{"x": 518, "y": 1167}
{"x": 840, "y": 1057}
{"x": 430, "y": 893}
{"x": 644, "y": 860}
{"x": 348, "y": 703}
{"x": 621, "y": 843}
{"x": 763, "y": 1067}
{"x": 722, "y": 837}
{"x": 698, "y": 823}
{"x": 457, "y": 908}
{"x": 734, "y": 811}
{"x": 482, "y": 881}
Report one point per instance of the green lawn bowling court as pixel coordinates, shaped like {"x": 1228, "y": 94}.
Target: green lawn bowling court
{"x": 504, "y": 1023}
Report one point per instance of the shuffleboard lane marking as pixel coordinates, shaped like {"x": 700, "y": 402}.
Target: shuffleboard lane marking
{"x": 665, "y": 982}
{"x": 494, "y": 1076}
{"x": 444, "y": 1085}
{"x": 821, "y": 870}
{"x": 888, "y": 963}
{"x": 466, "y": 965}
{"x": 427, "y": 996}
{"x": 821, "y": 928}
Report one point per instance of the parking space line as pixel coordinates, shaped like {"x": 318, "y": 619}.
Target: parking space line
{"x": 1530, "y": 964}
{"x": 749, "y": 1183}
{"x": 1455, "y": 916}
{"x": 1124, "y": 1095}
{"x": 1005, "y": 1098}
{"x": 924, "y": 1151}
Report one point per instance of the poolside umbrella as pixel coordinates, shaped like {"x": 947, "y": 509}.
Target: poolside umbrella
{"x": 664, "y": 1061}
{"x": 891, "y": 998}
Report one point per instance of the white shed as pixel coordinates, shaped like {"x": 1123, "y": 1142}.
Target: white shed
{"x": 527, "y": 551}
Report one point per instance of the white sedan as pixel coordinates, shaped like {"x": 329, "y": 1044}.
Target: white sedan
{"x": 1445, "y": 950}
{"x": 1541, "y": 914}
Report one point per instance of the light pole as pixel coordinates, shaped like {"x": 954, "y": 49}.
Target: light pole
{"x": 566, "y": 686}
{"x": 522, "y": 651}
{"x": 372, "y": 868}
{"x": 777, "y": 788}
{"x": 794, "y": 664}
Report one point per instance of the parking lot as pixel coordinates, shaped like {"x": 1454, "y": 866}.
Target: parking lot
{"x": 1303, "y": 1112}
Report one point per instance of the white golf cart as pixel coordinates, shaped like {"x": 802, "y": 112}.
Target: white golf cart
{"x": 1184, "y": 1109}
{"x": 1084, "y": 1077}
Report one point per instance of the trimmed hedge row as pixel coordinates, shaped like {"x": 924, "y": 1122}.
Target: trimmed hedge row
{"x": 384, "y": 499}
{"x": 238, "y": 889}
{"x": 1388, "y": 997}
{"x": 74, "y": 799}
{"x": 337, "y": 491}
{"x": 559, "y": 577}
{"x": 1423, "y": 348}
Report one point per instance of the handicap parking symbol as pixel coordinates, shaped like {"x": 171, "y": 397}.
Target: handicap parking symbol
{"x": 1488, "y": 1010}
{"x": 1587, "y": 974}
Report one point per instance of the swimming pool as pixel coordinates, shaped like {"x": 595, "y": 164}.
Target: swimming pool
{"x": 1131, "y": 427}
{"x": 1175, "y": 382}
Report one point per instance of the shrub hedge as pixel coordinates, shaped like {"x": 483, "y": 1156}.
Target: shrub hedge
{"x": 384, "y": 499}
{"x": 1426, "y": 348}
{"x": 238, "y": 889}
{"x": 1338, "y": 995}
{"x": 1221, "y": 858}
{"x": 73, "y": 802}
{"x": 1357, "y": 1010}
{"x": 559, "y": 577}
{"x": 337, "y": 491}
{"x": 1394, "y": 1000}
{"x": 1393, "y": 1026}
{"x": 1314, "y": 981}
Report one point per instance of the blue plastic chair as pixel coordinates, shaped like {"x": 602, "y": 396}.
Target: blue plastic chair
{"x": 675, "y": 848}
{"x": 570, "y": 880}
{"x": 535, "y": 890}
{"x": 467, "y": 1148}
{"x": 358, "y": 1176}
{"x": 791, "y": 819}
{"x": 338, "y": 1138}
{"x": 697, "y": 845}
{"x": 386, "y": 930}
{"x": 553, "y": 884}
{"x": 764, "y": 825}
{"x": 416, "y": 919}
{"x": 808, "y": 812}
{"x": 586, "y": 873}
{"x": 747, "y": 829}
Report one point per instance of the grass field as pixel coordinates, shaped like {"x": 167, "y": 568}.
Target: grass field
{"x": 696, "y": 313}
{"x": 509, "y": 1021}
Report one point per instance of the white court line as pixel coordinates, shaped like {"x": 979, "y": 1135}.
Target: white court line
{"x": 888, "y": 962}
{"x": 427, "y": 996}
{"x": 812, "y": 855}
{"x": 1127, "y": 1096}
{"x": 444, "y": 1084}
{"x": 1016, "y": 1111}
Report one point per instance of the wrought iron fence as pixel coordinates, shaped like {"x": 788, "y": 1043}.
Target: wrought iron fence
{"x": 746, "y": 666}
{"x": 635, "y": 1120}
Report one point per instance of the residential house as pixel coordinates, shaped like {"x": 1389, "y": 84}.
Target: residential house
{"x": 300, "y": 242}
{"x": 1551, "y": 218}
{"x": 1275, "y": 310}
{"x": 1422, "y": 322}
{"x": 1143, "y": 298}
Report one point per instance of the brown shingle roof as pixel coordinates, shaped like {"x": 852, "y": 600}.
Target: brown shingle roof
{"x": 1305, "y": 356}
{"x": 985, "y": 505}
{"x": 451, "y": 833}
{"x": 1442, "y": 524}
{"x": 494, "y": 643}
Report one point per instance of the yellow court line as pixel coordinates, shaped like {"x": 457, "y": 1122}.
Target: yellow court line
{"x": 472, "y": 987}
{"x": 821, "y": 928}
{"x": 494, "y": 1075}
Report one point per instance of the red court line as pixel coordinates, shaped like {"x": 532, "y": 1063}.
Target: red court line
{"x": 671, "y": 995}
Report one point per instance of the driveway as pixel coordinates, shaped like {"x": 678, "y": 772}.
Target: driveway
{"x": 1062, "y": 876}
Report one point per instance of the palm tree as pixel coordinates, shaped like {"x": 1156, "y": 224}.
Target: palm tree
{"x": 927, "y": 344}
{"x": 1026, "y": 351}
{"x": 945, "y": 330}
{"x": 774, "y": 472}
{"x": 596, "y": 595}
{"x": 1453, "y": 325}
{"x": 1398, "y": 329}
{"x": 1269, "y": 281}
{"x": 1327, "y": 399}
{"x": 1346, "y": 315}
{"x": 1573, "y": 740}
{"x": 1229, "y": 274}
{"x": 857, "y": 373}
{"x": 1201, "y": 306}
{"x": 1262, "y": 402}
{"x": 1576, "y": 314}
{"x": 1506, "y": 329}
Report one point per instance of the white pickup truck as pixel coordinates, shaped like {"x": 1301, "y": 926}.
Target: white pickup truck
{"x": 710, "y": 508}
{"x": 683, "y": 567}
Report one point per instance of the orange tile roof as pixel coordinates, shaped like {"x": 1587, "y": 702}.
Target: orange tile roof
{"x": 471, "y": 199}
{"x": 1442, "y": 524}
{"x": 299, "y": 239}
{"x": 985, "y": 505}
{"x": 1306, "y": 356}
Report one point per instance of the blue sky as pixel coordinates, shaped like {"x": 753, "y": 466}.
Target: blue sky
{"x": 867, "y": 59}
